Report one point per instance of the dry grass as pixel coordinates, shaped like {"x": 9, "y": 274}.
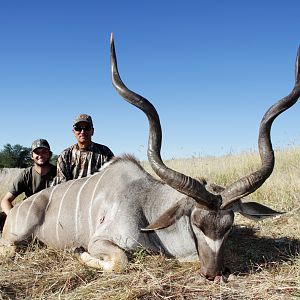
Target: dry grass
{"x": 263, "y": 257}
{"x": 6, "y": 178}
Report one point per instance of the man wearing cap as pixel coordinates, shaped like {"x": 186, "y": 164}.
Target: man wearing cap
{"x": 33, "y": 179}
{"x": 85, "y": 157}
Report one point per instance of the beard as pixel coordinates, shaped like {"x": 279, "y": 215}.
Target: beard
{"x": 43, "y": 164}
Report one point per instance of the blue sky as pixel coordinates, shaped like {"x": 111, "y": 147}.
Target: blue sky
{"x": 211, "y": 68}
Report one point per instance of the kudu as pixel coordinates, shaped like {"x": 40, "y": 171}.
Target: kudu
{"x": 122, "y": 207}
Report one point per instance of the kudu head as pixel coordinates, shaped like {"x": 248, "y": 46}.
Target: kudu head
{"x": 210, "y": 208}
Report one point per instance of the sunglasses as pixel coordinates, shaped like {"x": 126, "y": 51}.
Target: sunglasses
{"x": 82, "y": 127}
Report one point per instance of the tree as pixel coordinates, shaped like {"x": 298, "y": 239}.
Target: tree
{"x": 54, "y": 159}
{"x": 15, "y": 156}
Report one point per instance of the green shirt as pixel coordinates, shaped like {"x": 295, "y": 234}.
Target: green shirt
{"x": 30, "y": 181}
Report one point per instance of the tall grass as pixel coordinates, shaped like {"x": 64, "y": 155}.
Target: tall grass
{"x": 263, "y": 257}
{"x": 7, "y": 176}
{"x": 281, "y": 189}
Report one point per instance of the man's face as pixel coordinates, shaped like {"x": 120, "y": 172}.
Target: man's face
{"x": 41, "y": 156}
{"x": 83, "y": 132}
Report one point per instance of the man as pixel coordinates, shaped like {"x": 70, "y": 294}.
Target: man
{"x": 85, "y": 157}
{"x": 33, "y": 179}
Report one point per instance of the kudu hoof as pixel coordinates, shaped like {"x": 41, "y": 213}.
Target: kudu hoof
{"x": 79, "y": 250}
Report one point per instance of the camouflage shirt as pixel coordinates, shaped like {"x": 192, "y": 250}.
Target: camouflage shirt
{"x": 30, "y": 181}
{"x": 74, "y": 162}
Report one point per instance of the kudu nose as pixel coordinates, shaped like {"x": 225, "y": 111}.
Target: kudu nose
{"x": 217, "y": 276}
{"x": 210, "y": 278}
{"x": 209, "y": 275}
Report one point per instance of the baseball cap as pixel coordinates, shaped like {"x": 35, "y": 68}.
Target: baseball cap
{"x": 40, "y": 143}
{"x": 83, "y": 118}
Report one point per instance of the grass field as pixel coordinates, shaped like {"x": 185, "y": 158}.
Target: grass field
{"x": 263, "y": 257}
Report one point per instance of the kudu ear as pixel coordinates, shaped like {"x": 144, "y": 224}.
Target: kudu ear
{"x": 254, "y": 210}
{"x": 170, "y": 216}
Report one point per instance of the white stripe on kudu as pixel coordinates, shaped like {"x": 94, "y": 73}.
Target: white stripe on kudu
{"x": 77, "y": 211}
{"x": 17, "y": 218}
{"x": 46, "y": 209}
{"x": 59, "y": 210}
{"x": 17, "y": 215}
{"x": 50, "y": 197}
{"x": 92, "y": 200}
{"x": 214, "y": 245}
{"x": 29, "y": 213}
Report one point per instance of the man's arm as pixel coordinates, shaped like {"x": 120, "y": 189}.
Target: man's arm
{"x": 18, "y": 187}
{"x": 108, "y": 153}
{"x": 6, "y": 202}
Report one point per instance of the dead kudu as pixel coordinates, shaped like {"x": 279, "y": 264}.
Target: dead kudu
{"x": 122, "y": 207}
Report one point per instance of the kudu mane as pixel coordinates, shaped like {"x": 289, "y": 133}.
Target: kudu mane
{"x": 127, "y": 157}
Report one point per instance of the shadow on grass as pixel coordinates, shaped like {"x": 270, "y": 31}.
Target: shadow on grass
{"x": 6, "y": 292}
{"x": 245, "y": 251}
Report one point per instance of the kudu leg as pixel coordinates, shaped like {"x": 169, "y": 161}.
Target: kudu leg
{"x": 104, "y": 255}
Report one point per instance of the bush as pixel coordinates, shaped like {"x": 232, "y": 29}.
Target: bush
{"x": 15, "y": 156}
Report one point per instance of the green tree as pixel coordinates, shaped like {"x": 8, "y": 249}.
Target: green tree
{"x": 53, "y": 159}
{"x": 15, "y": 156}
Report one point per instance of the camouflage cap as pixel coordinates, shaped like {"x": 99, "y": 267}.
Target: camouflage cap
{"x": 83, "y": 118}
{"x": 40, "y": 143}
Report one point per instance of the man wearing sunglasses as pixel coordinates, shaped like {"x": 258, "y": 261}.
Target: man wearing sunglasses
{"x": 85, "y": 157}
{"x": 33, "y": 179}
